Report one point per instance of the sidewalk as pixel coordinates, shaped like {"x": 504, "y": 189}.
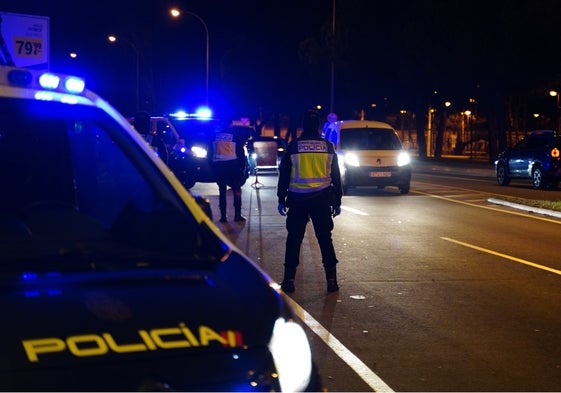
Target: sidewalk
{"x": 480, "y": 167}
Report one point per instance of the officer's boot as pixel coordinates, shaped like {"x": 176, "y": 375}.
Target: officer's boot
{"x": 223, "y": 217}
{"x": 287, "y": 284}
{"x": 238, "y": 207}
{"x": 239, "y": 217}
{"x": 331, "y": 277}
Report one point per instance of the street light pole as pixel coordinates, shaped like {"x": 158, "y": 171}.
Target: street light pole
{"x": 113, "y": 39}
{"x": 332, "y": 95}
{"x": 175, "y": 13}
{"x": 554, "y": 93}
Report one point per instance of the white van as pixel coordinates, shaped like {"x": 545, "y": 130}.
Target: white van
{"x": 371, "y": 154}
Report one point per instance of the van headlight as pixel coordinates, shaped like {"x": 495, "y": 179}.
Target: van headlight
{"x": 351, "y": 159}
{"x": 403, "y": 159}
{"x": 199, "y": 152}
{"x": 292, "y": 355}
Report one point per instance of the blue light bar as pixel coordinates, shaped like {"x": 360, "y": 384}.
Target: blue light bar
{"x": 202, "y": 113}
{"x": 40, "y": 80}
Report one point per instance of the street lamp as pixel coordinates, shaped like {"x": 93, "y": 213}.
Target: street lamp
{"x": 176, "y": 13}
{"x": 554, "y": 93}
{"x": 112, "y": 39}
{"x": 469, "y": 129}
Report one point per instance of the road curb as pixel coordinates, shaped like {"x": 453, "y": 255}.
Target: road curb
{"x": 529, "y": 209}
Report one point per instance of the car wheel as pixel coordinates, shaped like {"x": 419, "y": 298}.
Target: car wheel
{"x": 188, "y": 183}
{"x": 404, "y": 189}
{"x": 537, "y": 178}
{"x": 502, "y": 176}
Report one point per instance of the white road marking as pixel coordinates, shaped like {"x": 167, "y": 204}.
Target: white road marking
{"x": 355, "y": 211}
{"x": 519, "y": 260}
{"x": 367, "y": 375}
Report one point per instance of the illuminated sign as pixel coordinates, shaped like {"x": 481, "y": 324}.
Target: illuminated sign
{"x": 26, "y": 40}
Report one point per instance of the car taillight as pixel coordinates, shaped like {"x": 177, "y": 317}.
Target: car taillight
{"x": 555, "y": 152}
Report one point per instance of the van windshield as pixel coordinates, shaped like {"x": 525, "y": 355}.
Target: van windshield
{"x": 369, "y": 139}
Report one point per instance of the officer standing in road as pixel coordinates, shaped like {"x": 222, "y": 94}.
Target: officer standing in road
{"x": 142, "y": 124}
{"x": 228, "y": 163}
{"x": 329, "y": 130}
{"x": 309, "y": 187}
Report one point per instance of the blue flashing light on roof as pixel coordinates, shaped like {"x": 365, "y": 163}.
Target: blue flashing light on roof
{"x": 19, "y": 78}
{"x": 202, "y": 113}
{"x": 44, "y": 81}
{"x": 74, "y": 85}
{"x": 179, "y": 115}
{"x": 49, "y": 81}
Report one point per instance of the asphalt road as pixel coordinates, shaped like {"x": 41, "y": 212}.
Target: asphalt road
{"x": 441, "y": 290}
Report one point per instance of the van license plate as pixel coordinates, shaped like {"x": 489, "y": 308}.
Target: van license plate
{"x": 380, "y": 174}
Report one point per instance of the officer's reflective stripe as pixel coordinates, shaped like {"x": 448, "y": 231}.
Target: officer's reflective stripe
{"x": 305, "y": 146}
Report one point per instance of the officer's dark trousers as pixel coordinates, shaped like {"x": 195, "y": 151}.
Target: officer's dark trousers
{"x": 318, "y": 209}
{"x": 228, "y": 174}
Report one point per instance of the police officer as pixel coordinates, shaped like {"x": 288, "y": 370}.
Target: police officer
{"x": 142, "y": 124}
{"x": 309, "y": 187}
{"x": 228, "y": 162}
{"x": 329, "y": 130}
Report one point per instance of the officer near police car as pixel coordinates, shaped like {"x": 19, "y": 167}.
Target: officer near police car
{"x": 309, "y": 188}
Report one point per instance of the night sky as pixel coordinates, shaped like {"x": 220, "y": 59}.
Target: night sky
{"x": 276, "y": 56}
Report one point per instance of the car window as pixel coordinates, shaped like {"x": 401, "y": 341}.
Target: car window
{"x": 71, "y": 184}
{"x": 369, "y": 139}
{"x": 164, "y": 131}
{"x": 196, "y": 131}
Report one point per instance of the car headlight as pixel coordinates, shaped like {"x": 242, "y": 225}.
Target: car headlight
{"x": 351, "y": 159}
{"x": 199, "y": 152}
{"x": 292, "y": 355}
{"x": 403, "y": 159}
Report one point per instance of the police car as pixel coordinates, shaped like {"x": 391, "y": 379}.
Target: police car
{"x": 112, "y": 277}
{"x": 187, "y": 137}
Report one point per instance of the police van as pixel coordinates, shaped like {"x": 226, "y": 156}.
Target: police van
{"x": 112, "y": 277}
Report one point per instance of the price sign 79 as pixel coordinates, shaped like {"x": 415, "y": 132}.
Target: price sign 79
{"x": 29, "y": 47}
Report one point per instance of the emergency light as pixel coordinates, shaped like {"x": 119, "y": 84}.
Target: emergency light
{"x": 47, "y": 81}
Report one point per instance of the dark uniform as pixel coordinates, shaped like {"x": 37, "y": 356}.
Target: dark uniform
{"x": 309, "y": 187}
{"x": 142, "y": 124}
{"x": 227, "y": 159}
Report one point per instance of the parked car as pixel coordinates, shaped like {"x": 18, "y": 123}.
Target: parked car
{"x": 112, "y": 277}
{"x": 162, "y": 128}
{"x": 371, "y": 154}
{"x": 265, "y": 153}
{"x": 535, "y": 157}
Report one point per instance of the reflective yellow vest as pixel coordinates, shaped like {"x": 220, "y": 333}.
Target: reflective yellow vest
{"x": 311, "y": 167}
{"x": 224, "y": 147}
